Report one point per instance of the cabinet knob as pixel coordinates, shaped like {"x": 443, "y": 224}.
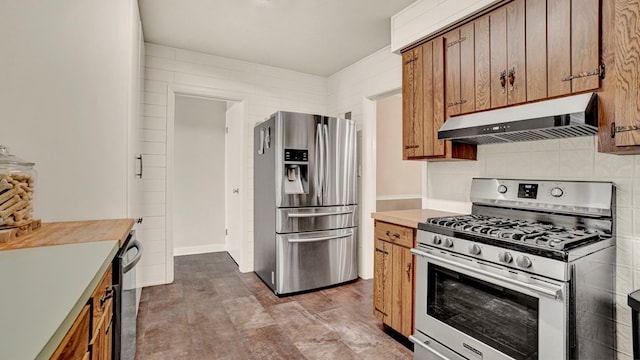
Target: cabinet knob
{"x": 512, "y": 78}
{"x": 503, "y": 80}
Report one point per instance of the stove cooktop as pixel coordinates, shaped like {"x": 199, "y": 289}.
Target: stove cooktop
{"x": 526, "y": 233}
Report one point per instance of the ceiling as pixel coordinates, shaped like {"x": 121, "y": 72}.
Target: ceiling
{"x": 317, "y": 37}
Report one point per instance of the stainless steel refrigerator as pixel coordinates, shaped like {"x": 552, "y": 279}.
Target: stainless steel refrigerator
{"x": 305, "y": 194}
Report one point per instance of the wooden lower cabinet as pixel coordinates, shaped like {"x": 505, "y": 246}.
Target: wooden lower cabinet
{"x": 90, "y": 336}
{"x": 75, "y": 345}
{"x": 393, "y": 276}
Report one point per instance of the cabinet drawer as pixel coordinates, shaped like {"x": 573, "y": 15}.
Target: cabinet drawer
{"x": 100, "y": 297}
{"x": 396, "y": 234}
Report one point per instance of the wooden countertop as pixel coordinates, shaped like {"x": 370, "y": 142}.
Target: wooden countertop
{"x": 409, "y": 218}
{"x": 73, "y": 232}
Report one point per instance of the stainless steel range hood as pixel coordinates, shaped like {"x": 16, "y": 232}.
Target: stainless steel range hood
{"x": 552, "y": 119}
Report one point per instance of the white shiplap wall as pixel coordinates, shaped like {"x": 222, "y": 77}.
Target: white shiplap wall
{"x": 354, "y": 89}
{"x": 265, "y": 89}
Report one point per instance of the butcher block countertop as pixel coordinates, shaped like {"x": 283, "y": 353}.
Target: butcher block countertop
{"x": 73, "y": 232}
{"x": 409, "y": 218}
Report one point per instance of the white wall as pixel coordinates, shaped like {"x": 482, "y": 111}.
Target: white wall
{"x": 265, "y": 89}
{"x": 355, "y": 89}
{"x": 395, "y": 178}
{"x": 65, "y": 100}
{"x": 199, "y": 175}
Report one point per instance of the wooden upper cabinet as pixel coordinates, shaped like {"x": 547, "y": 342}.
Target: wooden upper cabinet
{"x": 536, "y": 49}
{"x": 412, "y": 104}
{"x": 558, "y": 46}
{"x": 585, "y": 45}
{"x": 460, "y": 71}
{"x": 507, "y": 39}
{"x": 482, "y": 53}
{"x": 627, "y": 74}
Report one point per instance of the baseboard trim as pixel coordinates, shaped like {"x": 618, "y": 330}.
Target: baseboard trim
{"x": 201, "y": 249}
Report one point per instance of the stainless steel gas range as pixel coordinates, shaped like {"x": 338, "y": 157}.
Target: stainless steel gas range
{"x": 529, "y": 274}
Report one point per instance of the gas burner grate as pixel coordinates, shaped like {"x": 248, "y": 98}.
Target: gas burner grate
{"x": 530, "y": 233}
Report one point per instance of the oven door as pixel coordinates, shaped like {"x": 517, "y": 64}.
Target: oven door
{"x": 485, "y": 311}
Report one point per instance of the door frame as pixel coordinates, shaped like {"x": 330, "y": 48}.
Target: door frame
{"x": 206, "y": 94}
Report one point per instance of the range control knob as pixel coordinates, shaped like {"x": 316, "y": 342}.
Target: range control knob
{"x": 448, "y": 242}
{"x": 437, "y": 240}
{"x": 505, "y": 257}
{"x": 557, "y": 192}
{"x": 502, "y": 189}
{"x": 474, "y": 249}
{"x": 523, "y": 261}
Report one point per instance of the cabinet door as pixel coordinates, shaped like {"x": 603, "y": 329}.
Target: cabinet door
{"x": 97, "y": 342}
{"x": 381, "y": 280}
{"x": 585, "y": 43}
{"x": 76, "y": 342}
{"x": 482, "y": 64}
{"x": 460, "y": 71}
{"x": 508, "y": 72}
{"x": 559, "y": 46}
{"x": 536, "y": 23}
{"x": 107, "y": 334}
{"x": 412, "y": 106}
{"x": 516, "y": 70}
{"x": 402, "y": 290}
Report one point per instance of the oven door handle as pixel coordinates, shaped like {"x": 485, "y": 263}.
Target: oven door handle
{"x": 554, "y": 294}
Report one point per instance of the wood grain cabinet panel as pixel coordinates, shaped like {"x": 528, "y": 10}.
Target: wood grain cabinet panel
{"x": 482, "y": 64}
{"x": 585, "y": 44}
{"x": 536, "y": 49}
{"x": 627, "y": 74}
{"x": 393, "y": 278}
{"x": 412, "y": 104}
{"x": 558, "y": 37}
{"x": 423, "y": 105}
{"x": 75, "y": 344}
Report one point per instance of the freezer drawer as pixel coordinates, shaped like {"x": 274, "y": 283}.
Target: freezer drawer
{"x": 312, "y": 260}
{"x": 293, "y": 220}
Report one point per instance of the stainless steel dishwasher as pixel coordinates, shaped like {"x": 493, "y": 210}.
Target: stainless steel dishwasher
{"x": 125, "y": 306}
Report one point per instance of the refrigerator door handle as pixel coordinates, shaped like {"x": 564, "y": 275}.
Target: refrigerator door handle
{"x": 323, "y": 238}
{"x": 325, "y": 157}
{"x": 318, "y": 162}
{"x": 308, "y": 215}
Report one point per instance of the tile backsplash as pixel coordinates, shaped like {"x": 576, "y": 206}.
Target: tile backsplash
{"x": 563, "y": 159}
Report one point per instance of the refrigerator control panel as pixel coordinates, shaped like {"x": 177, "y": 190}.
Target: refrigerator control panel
{"x": 296, "y": 155}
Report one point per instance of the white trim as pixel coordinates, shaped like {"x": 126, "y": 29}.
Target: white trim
{"x": 201, "y": 249}
{"x": 204, "y": 93}
{"x": 369, "y": 168}
{"x": 398, "y": 197}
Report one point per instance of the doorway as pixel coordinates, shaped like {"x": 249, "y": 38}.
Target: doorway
{"x": 199, "y": 175}
{"x": 206, "y": 178}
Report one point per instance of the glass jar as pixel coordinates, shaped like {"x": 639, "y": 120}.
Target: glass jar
{"x": 17, "y": 184}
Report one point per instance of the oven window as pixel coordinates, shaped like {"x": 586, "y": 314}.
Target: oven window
{"x": 501, "y": 318}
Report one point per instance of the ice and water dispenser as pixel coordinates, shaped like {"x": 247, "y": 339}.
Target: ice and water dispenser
{"x": 296, "y": 171}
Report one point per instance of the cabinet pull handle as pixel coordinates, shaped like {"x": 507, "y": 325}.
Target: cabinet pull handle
{"x": 395, "y": 235}
{"x": 512, "y": 78}
{"x": 408, "y": 271}
{"x": 456, "y": 42}
{"x": 597, "y": 72}
{"x": 407, "y": 147}
{"x": 463, "y": 101}
{"x": 503, "y": 80}
{"x": 382, "y": 251}
{"x": 139, "y": 174}
{"x": 108, "y": 294}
